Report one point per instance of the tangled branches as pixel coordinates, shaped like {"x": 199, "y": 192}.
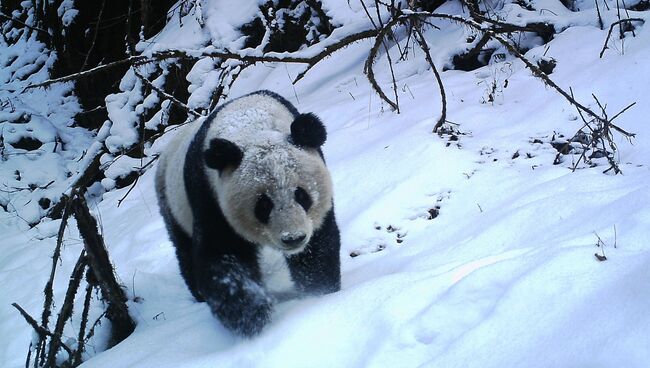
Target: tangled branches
{"x": 94, "y": 263}
{"x": 409, "y": 18}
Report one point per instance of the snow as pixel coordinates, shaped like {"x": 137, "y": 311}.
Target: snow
{"x": 203, "y": 78}
{"x": 29, "y": 175}
{"x": 121, "y": 111}
{"x": 226, "y": 17}
{"x": 504, "y": 276}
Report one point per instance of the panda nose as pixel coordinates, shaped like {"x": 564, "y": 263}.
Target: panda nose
{"x": 293, "y": 240}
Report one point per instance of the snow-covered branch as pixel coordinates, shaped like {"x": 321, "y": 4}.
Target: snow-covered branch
{"x": 297, "y": 57}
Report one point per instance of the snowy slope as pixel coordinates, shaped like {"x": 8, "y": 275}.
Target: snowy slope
{"x": 504, "y": 276}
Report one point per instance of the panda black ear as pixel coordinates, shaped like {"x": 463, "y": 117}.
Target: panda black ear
{"x": 222, "y": 154}
{"x": 308, "y": 131}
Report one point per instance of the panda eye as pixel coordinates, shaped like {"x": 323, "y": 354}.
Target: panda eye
{"x": 263, "y": 208}
{"x": 303, "y": 198}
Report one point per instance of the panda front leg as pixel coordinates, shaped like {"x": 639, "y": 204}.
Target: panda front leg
{"x": 317, "y": 269}
{"x": 230, "y": 286}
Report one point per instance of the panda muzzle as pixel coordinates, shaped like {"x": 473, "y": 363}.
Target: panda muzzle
{"x": 293, "y": 240}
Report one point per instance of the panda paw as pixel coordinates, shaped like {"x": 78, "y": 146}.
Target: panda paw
{"x": 246, "y": 314}
{"x": 252, "y": 319}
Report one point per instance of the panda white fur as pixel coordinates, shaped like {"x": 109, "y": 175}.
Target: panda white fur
{"x": 247, "y": 201}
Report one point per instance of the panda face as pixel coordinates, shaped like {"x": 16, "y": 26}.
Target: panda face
{"x": 264, "y": 205}
{"x": 287, "y": 225}
{"x": 275, "y": 196}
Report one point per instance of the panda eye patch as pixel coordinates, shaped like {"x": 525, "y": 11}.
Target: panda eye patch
{"x": 303, "y": 198}
{"x": 263, "y": 208}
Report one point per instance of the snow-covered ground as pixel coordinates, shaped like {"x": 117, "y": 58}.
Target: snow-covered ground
{"x": 505, "y": 274}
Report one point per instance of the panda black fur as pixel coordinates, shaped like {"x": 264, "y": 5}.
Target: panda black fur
{"x": 247, "y": 201}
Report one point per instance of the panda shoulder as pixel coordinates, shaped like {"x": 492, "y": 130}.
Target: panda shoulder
{"x": 178, "y": 144}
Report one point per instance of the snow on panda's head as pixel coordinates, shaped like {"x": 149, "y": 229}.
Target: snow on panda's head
{"x": 273, "y": 192}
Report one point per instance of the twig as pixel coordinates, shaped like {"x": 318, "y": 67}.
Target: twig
{"x": 42, "y": 332}
{"x": 368, "y": 69}
{"x": 476, "y": 50}
{"x": 102, "y": 269}
{"x": 601, "y": 244}
{"x": 619, "y": 114}
{"x": 48, "y": 291}
{"x": 601, "y": 25}
{"x": 618, "y": 15}
{"x": 372, "y": 55}
{"x": 2, "y": 15}
{"x": 181, "y": 54}
{"x": 392, "y": 75}
{"x": 84, "y": 178}
{"x": 600, "y": 119}
{"x": 391, "y": 35}
{"x": 66, "y": 308}
{"x": 128, "y": 39}
{"x": 75, "y": 359}
{"x": 427, "y": 55}
{"x": 140, "y": 172}
{"x": 611, "y": 28}
{"x": 627, "y": 13}
{"x": 29, "y": 354}
{"x": 474, "y": 10}
{"x": 231, "y": 72}
{"x": 152, "y": 138}
{"x": 18, "y": 189}
{"x": 166, "y": 95}
{"x": 91, "y": 331}
{"x": 544, "y": 77}
{"x": 92, "y": 44}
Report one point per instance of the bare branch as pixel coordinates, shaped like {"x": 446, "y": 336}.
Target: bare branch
{"x": 181, "y": 54}
{"x": 102, "y": 269}
{"x": 141, "y": 171}
{"x": 619, "y": 114}
{"x": 94, "y": 41}
{"x": 166, "y": 95}
{"x": 427, "y": 54}
{"x": 372, "y": 55}
{"x": 601, "y": 25}
{"x": 75, "y": 359}
{"x": 368, "y": 70}
{"x": 3, "y": 15}
{"x": 611, "y": 28}
{"x": 42, "y": 332}
{"x": 66, "y": 309}
{"x": 48, "y": 291}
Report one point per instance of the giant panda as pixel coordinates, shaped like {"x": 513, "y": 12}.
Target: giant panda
{"x": 247, "y": 200}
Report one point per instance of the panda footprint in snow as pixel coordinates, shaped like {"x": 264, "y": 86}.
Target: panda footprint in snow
{"x": 247, "y": 200}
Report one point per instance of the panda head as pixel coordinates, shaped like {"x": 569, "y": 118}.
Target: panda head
{"x": 276, "y": 192}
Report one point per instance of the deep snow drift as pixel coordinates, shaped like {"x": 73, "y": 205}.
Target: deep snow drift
{"x": 505, "y": 274}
